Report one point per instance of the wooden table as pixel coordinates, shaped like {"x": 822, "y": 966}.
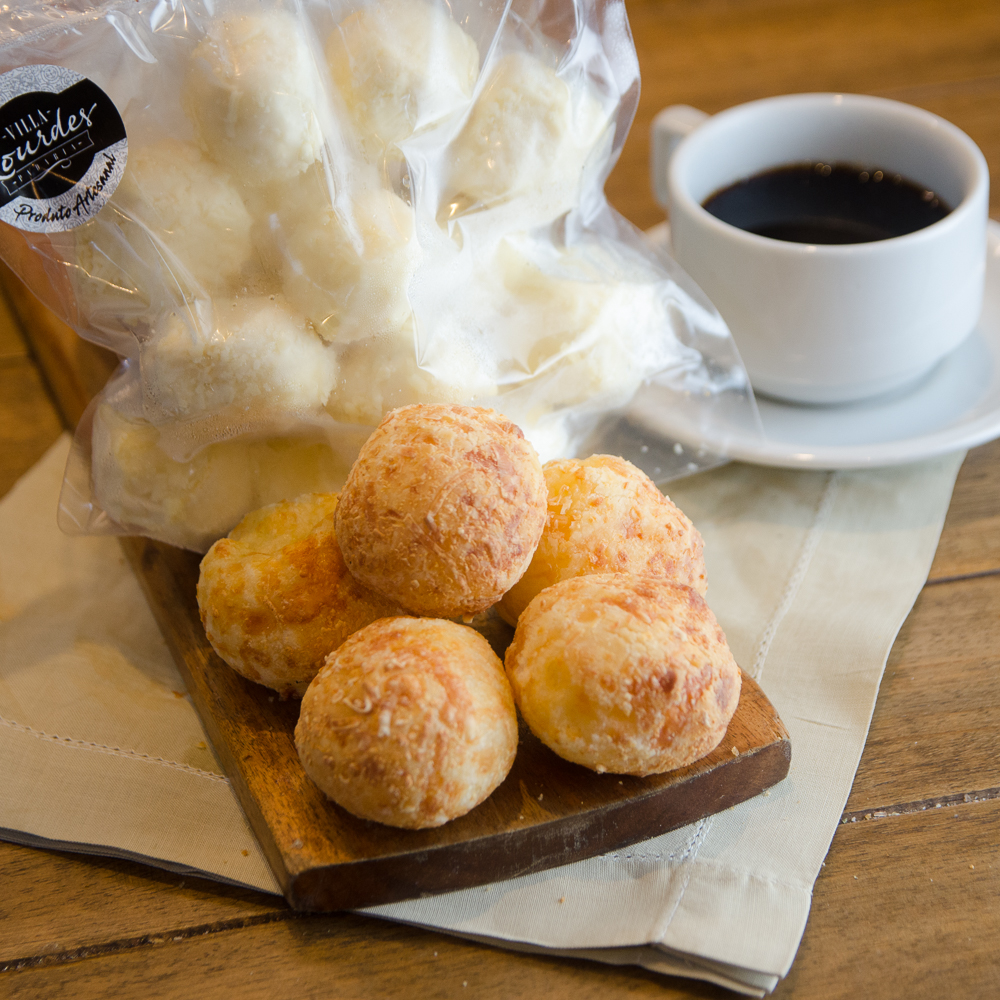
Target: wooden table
{"x": 908, "y": 904}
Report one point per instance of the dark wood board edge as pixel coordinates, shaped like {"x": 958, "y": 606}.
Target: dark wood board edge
{"x": 422, "y": 866}
{"x": 502, "y": 856}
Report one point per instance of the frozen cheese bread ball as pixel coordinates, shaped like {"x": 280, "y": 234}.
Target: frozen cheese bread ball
{"x": 192, "y": 502}
{"x": 276, "y": 598}
{"x": 410, "y": 723}
{"x": 349, "y": 276}
{"x": 625, "y": 674}
{"x": 585, "y": 337}
{"x": 192, "y": 206}
{"x": 253, "y": 352}
{"x": 528, "y": 134}
{"x": 605, "y": 516}
{"x": 443, "y": 508}
{"x": 381, "y": 373}
{"x": 181, "y": 221}
{"x": 253, "y": 92}
{"x": 278, "y": 209}
{"x": 399, "y": 65}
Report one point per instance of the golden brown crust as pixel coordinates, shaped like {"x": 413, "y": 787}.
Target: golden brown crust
{"x": 276, "y": 597}
{"x": 624, "y": 674}
{"x": 410, "y": 722}
{"x": 443, "y": 508}
{"x": 605, "y": 515}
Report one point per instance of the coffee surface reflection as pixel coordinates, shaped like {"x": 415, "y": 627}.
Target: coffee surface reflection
{"x": 827, "y": 203}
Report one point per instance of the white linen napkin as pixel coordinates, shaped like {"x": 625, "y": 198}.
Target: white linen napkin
{"x": 811, "y": 575}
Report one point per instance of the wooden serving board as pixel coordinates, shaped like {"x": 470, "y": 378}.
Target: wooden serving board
{"x": 547, "y": 812}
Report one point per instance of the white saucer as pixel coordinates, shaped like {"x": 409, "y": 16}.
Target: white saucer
{"x": 957, "y": 405}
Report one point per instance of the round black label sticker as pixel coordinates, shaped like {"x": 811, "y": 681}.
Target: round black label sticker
{"x": 62, "y": 148}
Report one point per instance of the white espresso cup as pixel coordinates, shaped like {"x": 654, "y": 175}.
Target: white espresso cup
{"x": 820, "y": 323}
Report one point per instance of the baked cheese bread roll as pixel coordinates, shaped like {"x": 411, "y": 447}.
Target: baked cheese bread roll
{"x": 276, "y": 598}
{"x": 606, "y": 516}
{"x": 622, "y": 673}
{"x": 410, "y": 722}
{"x": 443, "y": 508}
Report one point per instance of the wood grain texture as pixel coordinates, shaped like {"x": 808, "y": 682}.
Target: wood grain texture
{"x": 45, "y": 893}
{"x": 906, "y": 907}
{"x": 871, "y": 923}
{"x": 547, "y": 812}
{"x": 713, "y": 54}
{"x": 970, "y": 540}
{"x": 936, "y": 727}
{"x": 343, "y": 956}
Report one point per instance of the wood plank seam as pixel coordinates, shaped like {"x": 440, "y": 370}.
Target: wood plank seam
{"x": 959, "y": 577}
{"x": 921, "y": 805}
{"x": 145, "y": 941}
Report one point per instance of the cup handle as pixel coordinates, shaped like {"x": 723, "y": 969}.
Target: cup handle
{"x": 670, "y": 126}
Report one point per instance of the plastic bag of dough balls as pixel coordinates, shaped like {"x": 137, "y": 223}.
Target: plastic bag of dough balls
{"x": 276, "y": 598}
{"x": 529, "y": 136}
{"x": 253, "y": 92}
{"x": 361, "y": 161}
{"x": 245, "y": 353}
{"x": 410, "y": 723}
{"x": 443, "y": 508}
{"x": 605, "y": 516}
{"x": 625, "y": 674}
{"x": 349, "y": 276}
{"x": 399, "y": 65}
{"x": 191, "y": 503}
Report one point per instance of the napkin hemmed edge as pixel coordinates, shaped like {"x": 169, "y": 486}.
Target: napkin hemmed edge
{"x": 99, "y": 850}
{"x": 653, "y": 958}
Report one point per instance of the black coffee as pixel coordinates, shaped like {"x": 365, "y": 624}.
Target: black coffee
{"x": 827, "y": 203}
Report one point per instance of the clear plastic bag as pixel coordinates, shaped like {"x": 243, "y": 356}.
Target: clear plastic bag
{"x": 331, "y": 209}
